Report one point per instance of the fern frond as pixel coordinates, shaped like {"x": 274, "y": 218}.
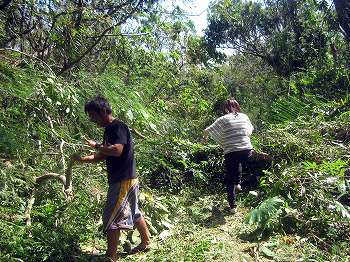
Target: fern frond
{"x": 267, "y": 210}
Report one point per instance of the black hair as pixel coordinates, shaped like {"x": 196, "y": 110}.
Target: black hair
{"x": 99, "y": 105}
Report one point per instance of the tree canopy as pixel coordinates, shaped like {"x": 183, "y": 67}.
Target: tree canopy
{"x": 285, "y": 34}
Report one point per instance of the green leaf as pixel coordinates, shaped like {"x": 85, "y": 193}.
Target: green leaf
{"x": 130, "y": 115}
{"x": 254, "y": 193}
{"x": 153, "y": 127}
{"x": 267, "y": 252}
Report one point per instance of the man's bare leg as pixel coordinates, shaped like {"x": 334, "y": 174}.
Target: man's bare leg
{"x": 141, "y": 226}
{"x": 112, "y": 244}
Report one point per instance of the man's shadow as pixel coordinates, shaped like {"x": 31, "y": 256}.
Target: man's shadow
{"x": 216, "y": 218}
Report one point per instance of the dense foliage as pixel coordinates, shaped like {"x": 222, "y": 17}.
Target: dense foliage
{"x": 289, "y": 71}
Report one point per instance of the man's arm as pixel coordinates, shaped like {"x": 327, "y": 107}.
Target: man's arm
{"x": 107, "y": 150}
{"x": 94, "y": 158}
{"x": 111, "y": 150}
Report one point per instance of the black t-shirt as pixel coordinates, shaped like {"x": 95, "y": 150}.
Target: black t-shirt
{"x": 122, "y": 167}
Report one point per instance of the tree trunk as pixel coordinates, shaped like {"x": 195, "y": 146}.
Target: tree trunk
{"x": 4, "y": 4}
{"x": 343, "y": 11}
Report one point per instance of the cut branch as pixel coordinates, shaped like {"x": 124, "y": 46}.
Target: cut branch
{"x": 47, "y": 176}
{"x": 66, "y": 181}
{"x": 137, "y": 133}
{"x": 29, "y": 207}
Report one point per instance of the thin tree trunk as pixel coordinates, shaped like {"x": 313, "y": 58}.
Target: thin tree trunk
{"x": 343, "y": 11}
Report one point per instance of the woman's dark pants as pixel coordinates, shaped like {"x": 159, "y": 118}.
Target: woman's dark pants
{"x": 233, "y": 166}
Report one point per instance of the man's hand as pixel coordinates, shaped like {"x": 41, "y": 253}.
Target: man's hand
{"x": 75, "y": 157}
{"x": 94, "y": 158}
{"x": 91, "y": 143}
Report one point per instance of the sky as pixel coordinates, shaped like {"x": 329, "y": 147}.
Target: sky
{"x": 197, "y": 9}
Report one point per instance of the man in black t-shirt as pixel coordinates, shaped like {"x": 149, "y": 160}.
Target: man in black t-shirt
{"x": 121, "y": 210}
{"x": 122, "y": 167}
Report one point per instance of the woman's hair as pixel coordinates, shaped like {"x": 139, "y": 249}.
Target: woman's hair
{"x": 231, "y": 106}
{"x": 99, "y": 105}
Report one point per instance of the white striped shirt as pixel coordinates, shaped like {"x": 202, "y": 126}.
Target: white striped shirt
{"x": 232, "y": 132}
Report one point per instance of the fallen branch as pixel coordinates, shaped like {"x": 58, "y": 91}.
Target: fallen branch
{"x": 29, "y": 208}
{"x": 47, "y": 176}
{"x": 137, "y": 133}
{"x": 65, "y": 179}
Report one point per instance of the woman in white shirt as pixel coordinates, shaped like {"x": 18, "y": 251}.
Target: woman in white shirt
{"x": 232, "y": 132}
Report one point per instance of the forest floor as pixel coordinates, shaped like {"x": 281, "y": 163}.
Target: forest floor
{"x": 205, "y": 231}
